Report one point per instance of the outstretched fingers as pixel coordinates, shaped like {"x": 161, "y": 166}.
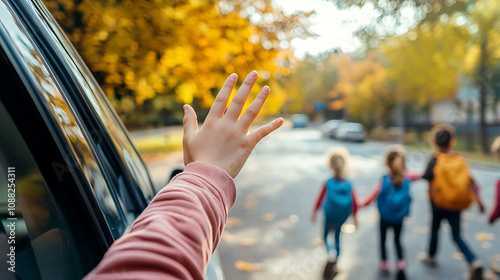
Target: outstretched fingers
{"x": 253, "y": 110}
{"x": 239, "y": 99}
{"x": 220, "y": 103}
{"x": 190, "y": 122}
{"x": 265, "y": 130}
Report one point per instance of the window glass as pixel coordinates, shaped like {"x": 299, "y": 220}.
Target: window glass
{"x": 42, "y": 239}
{"x": 102, "y": 107}
{"x": 77, "y": 147}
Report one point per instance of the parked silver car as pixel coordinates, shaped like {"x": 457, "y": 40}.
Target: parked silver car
{"x": 330, "y": 128}
{"x": 350, "y": 131}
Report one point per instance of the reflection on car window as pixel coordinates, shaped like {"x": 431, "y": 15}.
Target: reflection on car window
{"x": 43, "y": 241}
{"x": 102, "y": 107}
{"x": 43, "y": 82}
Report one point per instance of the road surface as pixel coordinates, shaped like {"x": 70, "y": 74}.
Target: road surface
{"x": 269, "y": 232}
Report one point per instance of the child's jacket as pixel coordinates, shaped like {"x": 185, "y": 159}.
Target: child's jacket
{"x": 338, "y": 199}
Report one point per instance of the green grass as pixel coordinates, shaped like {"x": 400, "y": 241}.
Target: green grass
{"x": 160, "y": 143}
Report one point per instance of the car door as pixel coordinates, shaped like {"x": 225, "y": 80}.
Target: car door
{"x": 118, "y": 157}
{"x": 65, "y": 214}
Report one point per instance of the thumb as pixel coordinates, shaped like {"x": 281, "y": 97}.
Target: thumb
{"x": 190, "y": 121}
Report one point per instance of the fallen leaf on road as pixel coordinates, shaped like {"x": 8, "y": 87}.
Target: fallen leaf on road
{"x": 247, "y": 241}
{"x": 318, "y": 242}
{"x": 250, "y": 202}
{"x": 246, "y": 266}
{"x": 490, "y": 275}
{"x": 348, "y": 228}
{"x": 293, "y": 219}
{"x": 228, "y": 237}
{"x": 497, "y": 257}
{"x": 233, "y": 222}
{"x": 458, "y": 256}
{"x": 484, "y": 236}
{"x": 268, "y": 217}
{"x": 282, "y": 253}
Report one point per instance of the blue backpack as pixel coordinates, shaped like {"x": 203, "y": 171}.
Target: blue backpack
{"x": 338, "y": 204}
{"x": 394, "y": 202}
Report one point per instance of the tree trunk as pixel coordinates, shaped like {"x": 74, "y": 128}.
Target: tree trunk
{"x": 482, "y": 80}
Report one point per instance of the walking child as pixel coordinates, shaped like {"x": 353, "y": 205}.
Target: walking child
{"x": 393, "y": 203}
{"x": 451, "y": 191}
{"x": 495, "y": 211}
{"x": 338, "y": 200}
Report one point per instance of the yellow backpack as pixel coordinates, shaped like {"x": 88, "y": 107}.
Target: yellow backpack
{"x": 451, "y": 187}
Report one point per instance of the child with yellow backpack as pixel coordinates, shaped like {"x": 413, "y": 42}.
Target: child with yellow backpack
{"x": 451, "y": 191}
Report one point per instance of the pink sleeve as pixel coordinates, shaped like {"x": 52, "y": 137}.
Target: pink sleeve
{"x": 177, "y": 233}
{"x": 412, "y": 176}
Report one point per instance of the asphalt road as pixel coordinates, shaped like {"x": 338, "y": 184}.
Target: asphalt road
{"x": 269, "y": 231}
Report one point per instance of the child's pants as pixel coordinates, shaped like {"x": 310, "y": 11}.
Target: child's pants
{"x": 332, "y": 227}
{"x": 453, "y": 218}
{"x": 397, "y": 239}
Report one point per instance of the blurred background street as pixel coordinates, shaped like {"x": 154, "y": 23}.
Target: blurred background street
{"x": 269, "y": 224}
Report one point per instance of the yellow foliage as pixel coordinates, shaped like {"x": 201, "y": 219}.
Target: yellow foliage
{"x": 183, "y": 49}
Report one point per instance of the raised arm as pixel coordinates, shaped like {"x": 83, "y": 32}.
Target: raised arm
{"x": 319, "y": 201}
{"x": 476, "y": 190}
{"x": 176, "y": 234}
{"x": 373, "y": 195}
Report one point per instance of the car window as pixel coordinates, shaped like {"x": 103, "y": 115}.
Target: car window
{"x": 40, "y": 80}
{"x": 356, "y": 127}
{"x": 34, "y": 233}
{"x": 101, "y": 106}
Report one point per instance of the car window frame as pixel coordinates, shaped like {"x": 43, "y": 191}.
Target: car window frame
{"x": 43, "y": 122}
{"x": 73, "y": 92}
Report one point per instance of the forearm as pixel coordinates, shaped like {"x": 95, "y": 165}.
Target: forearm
{"x": 176, "y": 234}
{"x": 319, "y": 199}
{"x": 373, "y": 195}
{"x": 412, "y": 176}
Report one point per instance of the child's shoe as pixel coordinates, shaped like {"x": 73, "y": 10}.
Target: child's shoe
{"x": 401, "y": 267}
{"x": 476, "y": 271}
{"x": 427, "y": 260}
{"x": 330, "y": 270}
{"x": 383, "y": 268}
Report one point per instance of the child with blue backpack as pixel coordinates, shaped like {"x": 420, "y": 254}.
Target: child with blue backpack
{"x": 393, "y": 202}
{"x": 339, "y": 201}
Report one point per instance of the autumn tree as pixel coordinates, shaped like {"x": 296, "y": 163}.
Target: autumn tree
{"x": 310, "y": 81}
{"x": 480, "y": 17}
{"x": 153, "y": 55}
{"x": 365, "y": 86}
{"x": 426, "y": 62}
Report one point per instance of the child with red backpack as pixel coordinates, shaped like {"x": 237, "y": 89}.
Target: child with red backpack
{"x": 451, "y": 190}
{"x": 393, "y": 202}
{"x": 339, "y": 201}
